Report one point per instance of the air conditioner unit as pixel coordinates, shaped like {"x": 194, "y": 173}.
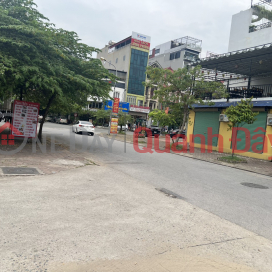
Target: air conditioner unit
{"x": 223, "y": 118}
{"x": 269, "y": 119}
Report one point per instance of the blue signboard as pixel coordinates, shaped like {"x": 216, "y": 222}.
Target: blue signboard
{"x": 123, "y": 106}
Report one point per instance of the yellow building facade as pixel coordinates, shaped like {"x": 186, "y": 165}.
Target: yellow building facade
{"x": 256, "y": 142}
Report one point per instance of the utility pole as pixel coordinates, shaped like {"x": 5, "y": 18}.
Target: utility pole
{"x": 103, "y": 59}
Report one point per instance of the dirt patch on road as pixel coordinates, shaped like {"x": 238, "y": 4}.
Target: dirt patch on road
{"x": 176, "y": 261}
{"x": 45, "y": 159}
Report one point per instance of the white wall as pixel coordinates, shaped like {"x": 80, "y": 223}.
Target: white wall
{"x": 163, "y": 47}
{"x": 165, "y": 62}
{"x": 121, "y": 65}
{"x": 240, "y": 38}
{"x": 119, "y": 90}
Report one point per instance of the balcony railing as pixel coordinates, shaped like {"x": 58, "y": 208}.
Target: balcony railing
{"x": 259, "y": 27}
{"x": 255, "y": 91}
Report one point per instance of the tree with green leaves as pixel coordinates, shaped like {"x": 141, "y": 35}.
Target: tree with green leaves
{"x": 43, "y": 64}
{"x": 102, "y": 115}
{"x": 162, "y": 118}
{"x": 124, "y": 119}
{"x": 182, "y": 88}
{"x": 238, "y": 116}
{"x": 261, "y": 12}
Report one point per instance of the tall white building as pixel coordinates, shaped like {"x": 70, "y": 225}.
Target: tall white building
{"x": 172, "y": 55}
{"x": 251, "y": 27}
{"x": 176, "y": 53}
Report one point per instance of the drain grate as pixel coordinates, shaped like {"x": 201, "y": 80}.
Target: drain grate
{"x": 253, "y": 185}
{"x": 170, "y": 193}
{"x": 20, "y": 171}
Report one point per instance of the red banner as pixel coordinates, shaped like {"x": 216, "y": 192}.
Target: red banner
{"x": 115, "y": 108}
{"x": 140, "y": 44}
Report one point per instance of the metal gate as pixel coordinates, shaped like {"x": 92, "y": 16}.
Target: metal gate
{"x": 203, "y": 121}
{"x": 261, "y": 119}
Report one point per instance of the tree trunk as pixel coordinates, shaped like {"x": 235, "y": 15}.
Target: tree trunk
{"x": 234, "y": 140}
{"x": 184, "y": 121}
{"x": 44, "y": 116}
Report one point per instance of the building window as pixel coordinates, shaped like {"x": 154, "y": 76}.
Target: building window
{"x": 124, "y": 58}
{"x": 140, "y": 103}
{"x": 121, "y": 85}
{"x": 157, "y": 51}
{"x": 175, "y": 55}
{"x": 116, "y": 60}
{"x": 190, "y": 56}
{"x": 131, "y": 99}
{"x": 152, "y": 92}
{"x": 116, "y": 95}
{"x": 95, "y": 105}
{"x": 137, "y": 74}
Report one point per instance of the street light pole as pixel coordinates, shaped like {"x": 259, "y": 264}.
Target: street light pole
{"x": 103, "y": 59}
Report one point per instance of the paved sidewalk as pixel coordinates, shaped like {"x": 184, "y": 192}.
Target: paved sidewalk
{"x": 97, "y": 219}
{"x": 46, "y": 162}
{"x": 86, "y": 220}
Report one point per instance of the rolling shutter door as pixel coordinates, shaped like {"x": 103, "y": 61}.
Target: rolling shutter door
{"x": 204, "y": 120}
{"x": 260, "y": 122}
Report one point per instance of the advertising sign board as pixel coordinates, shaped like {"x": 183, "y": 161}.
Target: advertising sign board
{"x": 141, "y": 37}
{"x": 139, "y": 109}
{"x": 114, "y": 126}
{"x": 25, "y": 118}
{"x": 140, "y": 41}
{"x": 140, "y": 44}
{"x": 123, "y": 106}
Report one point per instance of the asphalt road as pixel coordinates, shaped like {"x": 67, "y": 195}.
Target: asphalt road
{"x": 212, "y": 187}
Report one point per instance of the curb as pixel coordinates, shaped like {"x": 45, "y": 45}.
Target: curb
{"x": 223, "y": 164}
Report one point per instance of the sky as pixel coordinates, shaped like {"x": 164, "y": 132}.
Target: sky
{"x": 99, "y": 21}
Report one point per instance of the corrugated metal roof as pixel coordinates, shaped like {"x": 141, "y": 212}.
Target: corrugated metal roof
{"x": 249, "y": 61}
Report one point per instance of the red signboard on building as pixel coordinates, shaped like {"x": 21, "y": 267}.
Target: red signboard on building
{"x": 140, "y": 44}
{"x": 25, "y": 118}
{"x": 115, "y": 108}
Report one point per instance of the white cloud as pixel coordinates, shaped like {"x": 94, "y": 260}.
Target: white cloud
{"x": 98, "y": 21}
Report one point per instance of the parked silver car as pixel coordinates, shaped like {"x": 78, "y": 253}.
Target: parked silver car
{"x": 49, "y": 118}
{"x": 61, "y": 120}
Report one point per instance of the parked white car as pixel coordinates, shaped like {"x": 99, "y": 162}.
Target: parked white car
{"x": 83, "y": 126}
